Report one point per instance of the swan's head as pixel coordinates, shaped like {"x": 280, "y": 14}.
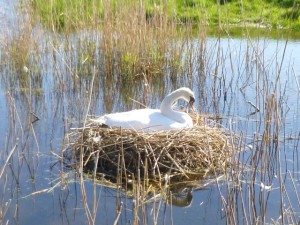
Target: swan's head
{"x": 181, "y": 117}
{"x": 188, "y": 95}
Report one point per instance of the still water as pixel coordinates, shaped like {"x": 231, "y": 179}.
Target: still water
{"x": 239, "y": 76}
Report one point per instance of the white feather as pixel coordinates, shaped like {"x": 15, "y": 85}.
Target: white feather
{"x": 150, "y": 120}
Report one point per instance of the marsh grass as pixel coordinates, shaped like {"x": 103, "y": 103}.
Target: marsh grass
{"x": 68, "y": 14}
{"x": 143, "y": 54}
{"x": 264, "y": 165}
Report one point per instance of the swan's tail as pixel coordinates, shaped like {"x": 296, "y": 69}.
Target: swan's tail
{"x": 97, "y": 121}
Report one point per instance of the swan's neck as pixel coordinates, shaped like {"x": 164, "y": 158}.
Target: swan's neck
{"x": 166, "y": 108}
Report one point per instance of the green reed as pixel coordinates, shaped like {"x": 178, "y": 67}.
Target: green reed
{"x": 74, "y": 14}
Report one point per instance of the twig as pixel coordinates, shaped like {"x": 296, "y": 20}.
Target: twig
{"x": 8, "y": 158}
{"x": 254, "y": 106}
{"x": 176, "y": 164}
{"x": 118, "y": 214}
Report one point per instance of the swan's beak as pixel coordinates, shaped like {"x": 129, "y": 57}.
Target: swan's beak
{"x": 191, "y": 103}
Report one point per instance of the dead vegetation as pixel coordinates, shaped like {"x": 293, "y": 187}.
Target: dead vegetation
{"x": 184, "y": 155}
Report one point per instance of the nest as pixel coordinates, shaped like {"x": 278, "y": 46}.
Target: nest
{"x": 183, "y": 155}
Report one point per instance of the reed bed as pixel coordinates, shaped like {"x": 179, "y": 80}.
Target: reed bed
{"x": 133, "y": 57}
{"x": 184, "y": 155}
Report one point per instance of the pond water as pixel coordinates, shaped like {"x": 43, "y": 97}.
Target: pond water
{"x": 239, "y": 76}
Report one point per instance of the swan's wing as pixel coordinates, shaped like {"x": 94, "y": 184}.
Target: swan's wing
{"x": 142, "y": 119}
{"x": 135, "y": 119}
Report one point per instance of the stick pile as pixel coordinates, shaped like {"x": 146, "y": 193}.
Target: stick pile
{"x": 183, "y": 154}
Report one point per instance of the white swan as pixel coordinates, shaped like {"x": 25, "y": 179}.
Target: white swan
{"x": 150, "y": 120}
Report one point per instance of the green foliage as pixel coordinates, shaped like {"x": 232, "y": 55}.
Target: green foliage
{"x": 63, "y": 14}
{"x": 129, "y": 60}
{"x": 67, "y": 14}
{"x": 292, "y": 13}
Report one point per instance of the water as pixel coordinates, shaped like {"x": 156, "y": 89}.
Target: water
{"x": 37, "y": 188}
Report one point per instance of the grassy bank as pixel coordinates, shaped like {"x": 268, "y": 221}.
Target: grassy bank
{"x": 66, "y": 14}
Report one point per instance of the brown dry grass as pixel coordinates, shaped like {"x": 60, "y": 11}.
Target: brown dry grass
{"x": 185, "y": 155}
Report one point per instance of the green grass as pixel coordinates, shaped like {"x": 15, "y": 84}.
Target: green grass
{"x": 59, "y": 14}
{"x": 66, "y": 14}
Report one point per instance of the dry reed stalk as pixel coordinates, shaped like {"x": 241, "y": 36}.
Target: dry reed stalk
{"x": 7, "y": 160}
{"x": 90, "y": 214}
{"x": 119, "y": 211}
